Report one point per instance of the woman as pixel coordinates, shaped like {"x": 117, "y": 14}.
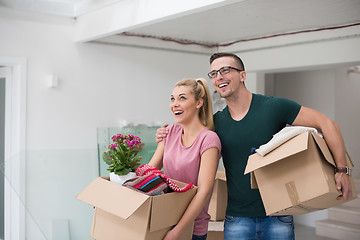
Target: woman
{"x": 191, "y": 152}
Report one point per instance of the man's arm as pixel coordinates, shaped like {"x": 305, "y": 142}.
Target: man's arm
{"x": 311, "y": 118}
{"x": 161, "y": 133}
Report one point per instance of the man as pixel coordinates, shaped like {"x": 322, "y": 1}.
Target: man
{"x": 248, "y": 121}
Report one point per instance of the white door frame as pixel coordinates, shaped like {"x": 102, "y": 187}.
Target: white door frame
{"x": 15, "y": 146}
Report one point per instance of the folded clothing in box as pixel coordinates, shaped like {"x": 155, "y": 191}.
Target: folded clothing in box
{"x": 149, "y": 184}
{"x": 152, "y": 182}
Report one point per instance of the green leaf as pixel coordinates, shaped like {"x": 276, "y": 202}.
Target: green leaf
{"x": 122, "y": 159}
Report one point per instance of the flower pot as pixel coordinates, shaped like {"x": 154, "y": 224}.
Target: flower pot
{"x": 120, "y": 179}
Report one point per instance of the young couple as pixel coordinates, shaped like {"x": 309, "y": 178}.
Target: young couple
{"x": 189, "y": 151}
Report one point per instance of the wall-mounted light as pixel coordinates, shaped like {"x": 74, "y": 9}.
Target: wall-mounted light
{"x": 52, "y": 81}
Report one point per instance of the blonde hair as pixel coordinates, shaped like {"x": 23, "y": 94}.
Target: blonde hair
{"x": 200, "y": 89}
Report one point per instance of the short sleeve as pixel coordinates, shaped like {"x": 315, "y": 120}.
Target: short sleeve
{"x": 287, "y": 109}
{"x": 211, "y": 140}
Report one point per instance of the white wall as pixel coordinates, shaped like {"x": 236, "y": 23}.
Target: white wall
{"x": 314, "y": 89}
{"x": 99, "y": 86}
{"x": 347, "y": 112}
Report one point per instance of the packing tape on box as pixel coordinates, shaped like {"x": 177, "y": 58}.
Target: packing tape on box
{"x": 294, "y": 198}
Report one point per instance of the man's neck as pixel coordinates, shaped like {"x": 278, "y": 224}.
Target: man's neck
{"x": 239, "y": 105}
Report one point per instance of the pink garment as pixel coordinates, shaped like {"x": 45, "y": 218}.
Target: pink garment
{"x": 183, "y": 163}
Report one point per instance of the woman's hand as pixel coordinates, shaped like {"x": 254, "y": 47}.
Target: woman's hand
{"x": 172, "y": 235}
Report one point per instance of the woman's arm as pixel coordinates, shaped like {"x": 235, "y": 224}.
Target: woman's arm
{"x": 157, "y": 158}
{"x": 206, "y": 180}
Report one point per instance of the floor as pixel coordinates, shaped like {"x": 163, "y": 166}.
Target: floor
{"x": 307, "y": 233}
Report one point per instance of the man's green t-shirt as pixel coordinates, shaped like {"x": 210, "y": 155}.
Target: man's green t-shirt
{"x": 266, "y": 116}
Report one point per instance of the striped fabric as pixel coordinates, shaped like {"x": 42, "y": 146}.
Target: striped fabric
{"x": 145, "y": 169}
{"x": 152, "y": 181}
{"x": 149, "y": 184}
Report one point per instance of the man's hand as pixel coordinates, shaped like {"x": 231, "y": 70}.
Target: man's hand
{"x": 161, "y": 133}
{"x": 343, "y": 184}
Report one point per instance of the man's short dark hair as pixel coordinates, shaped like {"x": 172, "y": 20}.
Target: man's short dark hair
{"x": 225, "y": 54}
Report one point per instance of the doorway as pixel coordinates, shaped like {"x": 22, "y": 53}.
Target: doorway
{"x": 2, "y": 153}
{"x": 13, "y": 144}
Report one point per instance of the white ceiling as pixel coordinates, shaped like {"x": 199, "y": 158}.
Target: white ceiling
{"x": 256, "y": 18}
{"x": 229, "y": 24}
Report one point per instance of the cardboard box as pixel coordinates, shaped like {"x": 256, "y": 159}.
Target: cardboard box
{"x": 214, "y": 235}
{"x": 297, "y": 177}
{"x": 122, "y": 213}
{"x": 215, "y": 230}
{"x": 218, "y": 201}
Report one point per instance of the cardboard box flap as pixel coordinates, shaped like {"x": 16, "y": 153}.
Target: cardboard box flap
{"x": 167, "y": 209}
{"x": 220, "y": 174}
{"x": 291, "y": 147}
{"x": 112, "y": 197}
{"x": 253, "y": 181}
{"x": 349, "y": 162}
{"x": 326, "y": 152}
{"x": 323, "y": 147}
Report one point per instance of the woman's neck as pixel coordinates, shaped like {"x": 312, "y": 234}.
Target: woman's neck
{"x": 190, "y": 132}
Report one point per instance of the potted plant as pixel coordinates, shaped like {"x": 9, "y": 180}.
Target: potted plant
{"x": 122, "y": 158}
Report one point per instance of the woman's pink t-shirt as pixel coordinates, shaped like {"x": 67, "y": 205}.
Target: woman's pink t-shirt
{"x": 183, "y": 163}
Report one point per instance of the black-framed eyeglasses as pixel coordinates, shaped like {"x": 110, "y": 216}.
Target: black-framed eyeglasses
{"x": 222, "y": 71}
